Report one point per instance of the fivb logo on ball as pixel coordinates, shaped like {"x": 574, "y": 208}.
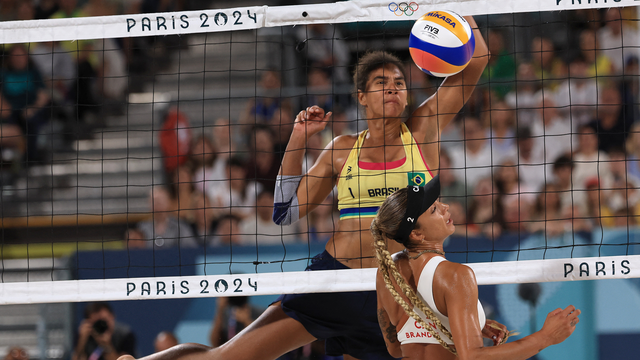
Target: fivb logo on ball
{"x": 441, "y": 43}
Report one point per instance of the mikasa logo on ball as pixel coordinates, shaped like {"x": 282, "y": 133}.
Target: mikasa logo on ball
{"x": 442, "y": 17}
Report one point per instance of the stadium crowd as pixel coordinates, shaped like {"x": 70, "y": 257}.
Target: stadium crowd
{"x": 547, "y": 143}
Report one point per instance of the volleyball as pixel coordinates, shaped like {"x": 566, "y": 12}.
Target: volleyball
{"x": 441, "y": 43}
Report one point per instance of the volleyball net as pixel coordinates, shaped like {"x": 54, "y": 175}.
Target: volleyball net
{"x": 139, "y": 152}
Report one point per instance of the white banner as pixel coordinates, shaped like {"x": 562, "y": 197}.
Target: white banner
{"x": 253, "y": 17}
{"x": 506, "y": 272}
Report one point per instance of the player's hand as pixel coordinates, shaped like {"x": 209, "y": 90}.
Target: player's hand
{"x": 222, "y": 303}
{"x": 85, "y": 329}
{"x": 560, "y": 324}
{"x": 311, "y": 121}
{"x": 494, "y": 330}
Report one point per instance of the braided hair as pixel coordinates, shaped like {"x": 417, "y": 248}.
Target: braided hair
{"x": 383, "y": 227}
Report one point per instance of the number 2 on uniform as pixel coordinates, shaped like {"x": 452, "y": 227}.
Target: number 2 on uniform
{"x": 351, "y": 192}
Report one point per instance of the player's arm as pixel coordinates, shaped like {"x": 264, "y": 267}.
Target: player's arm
{"x": 428, "y": 120}
{"x": 461, "y": 298}
{"x": 297, "y": 194}
{"x": 388, "y": 329}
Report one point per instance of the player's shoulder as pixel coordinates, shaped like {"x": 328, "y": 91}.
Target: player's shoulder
{"x": 458, "y": 273}
{"x": 344, "y": 142}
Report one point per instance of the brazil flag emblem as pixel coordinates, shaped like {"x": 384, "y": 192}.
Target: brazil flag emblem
{"x": 416, "y": 178}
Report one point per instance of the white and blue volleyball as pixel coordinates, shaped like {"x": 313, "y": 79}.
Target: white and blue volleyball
{"x": 441, "y": 43}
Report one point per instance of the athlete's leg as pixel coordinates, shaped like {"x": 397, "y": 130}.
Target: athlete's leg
{"x": 348, "y": 357}
{"x": 270, "y": 336}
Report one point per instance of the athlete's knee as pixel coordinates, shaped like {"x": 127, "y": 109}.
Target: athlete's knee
{"x": 126, "y": 357}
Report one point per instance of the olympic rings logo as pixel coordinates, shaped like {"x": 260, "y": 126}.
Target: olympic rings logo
{"x": 403, "y": 8}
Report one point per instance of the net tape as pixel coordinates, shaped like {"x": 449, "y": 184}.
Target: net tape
{"x": 254, "y": 17}
{"x": 205, "y": 286}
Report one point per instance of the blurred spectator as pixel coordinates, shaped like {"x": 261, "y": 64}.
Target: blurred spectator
{"x": 269, "y": 108}
{"x": 112, "y": 71}
{"x": 182, "y": 189}
{"x": 484, "y": 210}
{"x": 565, "y": 185}
{"x": 547, "y": 66}
{"x": 8, "y": 10}
{"x": 84, "y": 90}
{"x": 324, "y": 46}
{"x": 547, "y": 213}
{"x": 618, "y": 39}
{"x": 24, "y": 89}
{"x": 452, "y": 189}
{"x": 227, "y": 231}
{"x": 12, "y": 141}
{"x": 589, "y": 162}
{"x": 67, "y": 9}
{"x": 597, "y": 210}
{"x": 623, "y": 218}
{"x": 58, "y": 69}
{"x": 552, "y": 133}
{"x": 263, "y": 108}
{"x": 164, "y": 340}
{"x": 531, "y": 168}
{"x": 233, "y": 314}
{"x": 514, "y": 197}
{"x": 501, "y": 121}
{"x": 25, "y": 11}
{"x": 610, "y": 123}
{"x": 235, "y": 193}
{"x": 577, "y": 96}
{"x": 632, "y": 145}
{"x": 101, "y": 337}
{"x": 525, "y": 97}
{"x": 322, "y": 221}
{"x": 263, "y": 164}
{"x": 204, "y": 218}
{"x": 259, "y": 228}
{"x": 459, "y": 218}
{"x": 16, "y": 353}
{"x": 209, "y": 165}
{"x": 501, "y": 70}
{"x": 45, "y": 8}
{"x": 224, "y": 135}
{"x": 175, "y": 139}
{"x": 135, "y": 239}
{"x": 108, "y": 57}
{"x": 319, "y": 90}
{"x": 599, "y": 65}
{"x": 164, "y": 228}
{"x": 511, "y": 188}
{"x": 473, "y": 161}
{"x": 623, "y": 190}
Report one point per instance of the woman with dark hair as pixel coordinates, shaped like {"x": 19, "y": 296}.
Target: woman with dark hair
{"x": 366, "y": 168}
{"x": 428, "y": 307}
{"x": 24, "y": 89}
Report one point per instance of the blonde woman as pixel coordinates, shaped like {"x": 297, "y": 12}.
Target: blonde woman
{"x": 428, "y": 307}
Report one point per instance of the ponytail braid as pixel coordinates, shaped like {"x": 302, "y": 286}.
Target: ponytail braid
{"x": 388, "y": 266}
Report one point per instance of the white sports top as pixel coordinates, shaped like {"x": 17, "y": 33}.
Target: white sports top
{"x": 412, "y": 332}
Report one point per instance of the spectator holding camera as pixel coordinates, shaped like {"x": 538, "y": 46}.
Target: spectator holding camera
{"x": 101, "y": 337}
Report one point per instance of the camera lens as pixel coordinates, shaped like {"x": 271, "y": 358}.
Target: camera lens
{"x": 100, "y": 326}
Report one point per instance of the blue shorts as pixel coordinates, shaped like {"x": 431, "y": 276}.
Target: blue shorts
{"x": 347, "y": 321}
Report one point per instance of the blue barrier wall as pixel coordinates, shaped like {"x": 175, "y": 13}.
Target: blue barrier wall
{"x": 610, "y": 308}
